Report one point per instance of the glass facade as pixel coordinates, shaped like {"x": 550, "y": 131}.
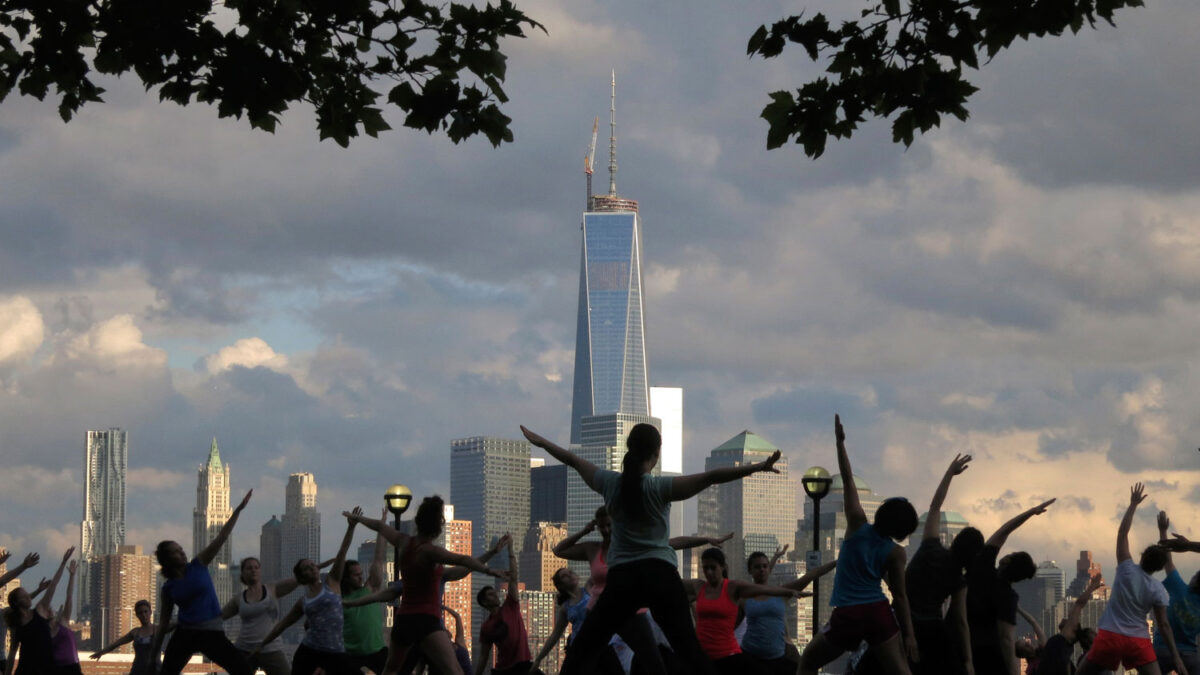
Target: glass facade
{"x": 102, "y": 531}
{"x": 610, "y": 344}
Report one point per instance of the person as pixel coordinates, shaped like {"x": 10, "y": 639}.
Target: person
{"x": 934, "y": 574}
{"x": 29, "y": 625}
{"x": 868, "y": 555}
{"x": 1030, "y": 649}
{"x": 504, "y": 628}
{"x": 30, "y": 560}
{"x": 323, "y": 647}
{"x": 717, "y": 598}
{"x": 365, "y": 647}
{"x": 992, "y": 602}
{"x": 636, "y": 636}
{"x": 461, "y": 653}
{"x": 1122, "y": 635}
{"x": 142, "y": 637}
{"x": 257, "y": 609}
{"x": 766, "y": 638}
{"x": 418, "y": 622}
{"x": 570, "y": 609}
{"x": 1056, "y": 654}
{"x": 642, "y": 568}
{"x": 1183, "y": 612}
{"x": 62, "y": 640}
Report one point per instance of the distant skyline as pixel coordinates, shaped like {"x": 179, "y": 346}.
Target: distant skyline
{"x": 1023, "y": 286}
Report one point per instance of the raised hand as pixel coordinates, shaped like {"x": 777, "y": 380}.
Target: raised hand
{"x": 42, "y": 585}
{"x": 504, "y": 542}
{"x": 1041, "y": 508}
{"x": 769, "y": 464}
{"x": 4, "y": 556}
{"x": 1177, "y": 543}
{"x": 354, "y": 515}
{"x": 1137, "y": 494}
{"x": 959, "y": 464}
{"x": 838, "y": 432}
{"x": 72, "y": 567}
{"x": 245, "y": 500}
{"x": 533, "y": 438}
{"x": 717, "y": 541}
{"x": 67, "y": 555}
{"x": 30, "y": 560}
{"x": 779, "y": 552}
{"x": 1094, "y": 584}
{"x": 1164, "y": 523}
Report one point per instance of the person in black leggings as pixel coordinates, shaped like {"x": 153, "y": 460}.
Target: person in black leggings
{"x": 641, "y": 563}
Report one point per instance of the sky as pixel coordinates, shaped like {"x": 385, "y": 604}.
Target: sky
{"x": 1023, "y": 287}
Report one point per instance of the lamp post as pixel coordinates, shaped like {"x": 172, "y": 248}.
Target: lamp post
{"x": 816, "y": 483}
{"x": 397, "y": 498}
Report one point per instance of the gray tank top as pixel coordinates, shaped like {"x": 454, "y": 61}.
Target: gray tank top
{"x": 257, "y": 620}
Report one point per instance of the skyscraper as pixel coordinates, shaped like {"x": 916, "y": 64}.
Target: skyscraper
{"x": 458, "y": 593}
{"x": 489, "y": 486}
{"x": 102, "y": 531}
{"x": 270, "y": 549}
{"x": 538, "y": 562}
{"x": 299, "y": 534}
{"x": 548, "y": 494}
{"x": 209, "y": 516}
{"x": 610, "y": 342}
{"x": 759, "y": 509}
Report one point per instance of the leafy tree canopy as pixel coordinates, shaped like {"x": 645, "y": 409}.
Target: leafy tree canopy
{"x": 257, "y": 57}
{"x": 903, "y": 57}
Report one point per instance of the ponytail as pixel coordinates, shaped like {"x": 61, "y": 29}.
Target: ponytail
{"x": 643, "y": 443}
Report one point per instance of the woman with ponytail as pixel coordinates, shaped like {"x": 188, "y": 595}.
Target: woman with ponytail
{"x": 641, "y": 563}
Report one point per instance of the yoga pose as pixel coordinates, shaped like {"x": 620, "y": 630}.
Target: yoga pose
{"x": 418, "y": 622}
{"x": 868, "y": 554}
{"x": 717, "y": 598}
{"x": 504, "y": 628}
{"x": 1056, "y": 654}
{"x": 29, "y": 625}
{"x": 571, "y": 608}
{"x": 1183, "y": 612}
{"x": 642, "y": 568}
{"x": 62, "y": 640}
{"x": 190, "y": 587}
{"x": 257, "y": 609}
{"x": 934, "y": 574}
{"x": 323, "y": 645}
{"x": 1122, "y": 635}
{"x": 142, "y": 638}
{"x": 365, "y": 647}
{"x": 766, "y": 637}
{"x": 29, "y": 561}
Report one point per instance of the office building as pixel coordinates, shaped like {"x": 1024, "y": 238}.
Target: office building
{"x": 1048, "y": 569}
{"x": 537, "y": 560}
{"x": 270, "y": 550}
{"x": 610, "y": 344}
{"x": 102, "y": 530}
{"x": 299, "y": 534}
{"x": 489, "y": 486}
{"x": 759, "y": 509}
{"x": 547, "y": 493}
{"x": 537, "y": 610}
{"x": 210, "y": 515}
{"x": 458, "y": 594}
{"x": 1085, "y": 569}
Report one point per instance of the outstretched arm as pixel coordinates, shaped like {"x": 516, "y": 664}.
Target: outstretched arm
{"x": 43, "y": 605}
{"x": 810, "y": 576}
{"x": 292, "y": 617}
{"x": 456, "y": 572}
{"x": 560, "y": 625}
{"x": 855, "y": 517}
{"x": 1001, "y": 535}
{"x": 123, "y": 640}
{"x": 288, "y": 584}
{"x": 334, "y": 579}
{"x": 459, "y": 638}
{"x": 375, "y": 571}
{"x": 436, "y": 554}
{"x": 1137, "y": 495}
{"x": 513, "y": 568}
{"x": 30, "y": 560}
{"x": 571, "y": 548}
{"x": 1164, "y": 524}
{"x": 1180, "y": 544}
{"x": 744, "y": 589}
{"x": 1037, "y": 627}
{"x": 210, "y": 552}
{"x": 1071, "y": 625}
{"x": 384, "y": 595}
{"x": 680, "y": 543}
{"x": 64, "y": 613}
{"x": 585, "y": 469}
{"x": 394, "y": 536}
{"x": 933, "y": 519}
{"x": 686, "y": 487}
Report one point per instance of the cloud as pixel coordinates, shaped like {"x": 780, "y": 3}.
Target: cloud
{"x": 252, "y": 352}
{"x": 148, "y": 478}
{"x": 34, "y": 484}
{"x": 21, "y": 329}
{"x": 115, "y": 343}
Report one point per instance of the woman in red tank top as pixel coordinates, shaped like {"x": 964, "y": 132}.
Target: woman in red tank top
{"x": 419, "y": 619}
{"x": 717, "y": 600}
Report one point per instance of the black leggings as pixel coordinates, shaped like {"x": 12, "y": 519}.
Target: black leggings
{"x": 185, "y": 642}
{"x": 306, "y": 660}
{"x": 642, "y": 583}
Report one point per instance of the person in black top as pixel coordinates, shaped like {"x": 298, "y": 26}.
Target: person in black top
{"x": 1056, "y": 654}
{"x": 934, "y": 574}
{"x": 992, "y": 602}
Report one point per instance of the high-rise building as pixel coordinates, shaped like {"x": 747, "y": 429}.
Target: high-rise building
{"x": 537, "y": 560}
{"x": 458, "y": 595}
{"x": 102, "y": 531}
{"x": 489, "y": 486}
{"x": 124, "y": 577}
{"x": 548, "y": 493}
{"x": 300, "y": 535}
{"x": 759, "y": 509}
{"x": 1048, "y": 569}
{"x": 1085, "y": 569}
{"x": 211, "y": 512}
{"x": 537, "y": 611}
{"x": 666, "y": 403}
{"x": 270, "y": 550}
{"x": 610, "y": 343}
{"x": 602, "y": 444}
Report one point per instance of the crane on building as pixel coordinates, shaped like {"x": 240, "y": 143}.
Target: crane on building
{"x": 587, "y": 162}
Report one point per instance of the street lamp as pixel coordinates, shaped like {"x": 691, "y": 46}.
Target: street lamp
{"x": 397, "y": 498}
{"x": 816, "y": 483}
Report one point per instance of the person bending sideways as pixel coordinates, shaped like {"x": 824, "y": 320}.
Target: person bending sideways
{"x": 868, "y": 555}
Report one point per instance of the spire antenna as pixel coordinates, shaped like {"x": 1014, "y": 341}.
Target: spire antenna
{"x": 612, "y": 138}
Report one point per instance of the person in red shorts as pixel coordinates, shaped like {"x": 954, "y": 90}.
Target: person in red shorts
{"x": 504, "y": 628}
{"x": 1123, "y": 637}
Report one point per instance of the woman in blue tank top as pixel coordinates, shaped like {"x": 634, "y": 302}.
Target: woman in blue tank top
{"x": 766, "y": 635}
